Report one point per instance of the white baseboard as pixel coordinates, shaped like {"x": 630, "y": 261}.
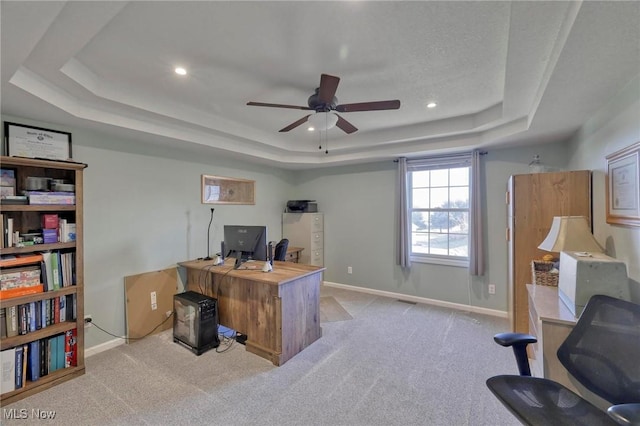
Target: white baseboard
{"x": 103, "y": 347}
{"x": 417, "y": 299}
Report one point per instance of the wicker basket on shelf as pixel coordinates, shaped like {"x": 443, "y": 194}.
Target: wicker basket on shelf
{"x": 542, "y": 275}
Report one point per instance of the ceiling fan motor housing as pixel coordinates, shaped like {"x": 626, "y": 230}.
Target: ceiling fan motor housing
{"x": 314, "y": 103}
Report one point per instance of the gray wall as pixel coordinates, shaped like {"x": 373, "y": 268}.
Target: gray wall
{"x": 360, "y": 219}
{"x": 616, "y": 126}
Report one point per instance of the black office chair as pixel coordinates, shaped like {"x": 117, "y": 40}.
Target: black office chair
{"x": 602, "y": 352}
{"x": 281, "y": 250}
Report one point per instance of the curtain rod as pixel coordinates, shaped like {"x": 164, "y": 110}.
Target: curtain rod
{"x": 481, "y": 153}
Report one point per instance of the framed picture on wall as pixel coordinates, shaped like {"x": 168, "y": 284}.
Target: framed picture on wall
{"x": 623, "y": 186}
{"x": 224, "y": 190}
{"x": 36, "y": 142}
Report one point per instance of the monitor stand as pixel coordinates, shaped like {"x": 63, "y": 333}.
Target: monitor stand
{"x": 238, "y": 260}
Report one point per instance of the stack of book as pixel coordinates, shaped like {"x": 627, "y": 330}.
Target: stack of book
{"x": 45, "y": 197}
{"x": 36, "y": 359}
{"x": 21, "y": 275}
{"x": 33, "y": 316}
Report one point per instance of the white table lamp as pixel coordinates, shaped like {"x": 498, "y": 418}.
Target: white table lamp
{"x": 570, "y": 233}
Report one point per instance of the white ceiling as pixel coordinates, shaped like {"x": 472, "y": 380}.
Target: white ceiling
{"x": 502, "y": 73}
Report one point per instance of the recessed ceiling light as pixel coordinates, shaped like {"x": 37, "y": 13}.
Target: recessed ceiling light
{"x": 181, "y": 71}
{"x": 311, "y": 128}
{"x": 431, "y": 105}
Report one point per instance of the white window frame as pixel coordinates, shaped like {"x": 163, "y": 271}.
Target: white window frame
{"x": 435, "y": 163}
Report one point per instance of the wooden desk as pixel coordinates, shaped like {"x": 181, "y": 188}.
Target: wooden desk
{"x": 550, "y": 321}
{"x": 278, "y": 311}
{"x": 293, "y": 254}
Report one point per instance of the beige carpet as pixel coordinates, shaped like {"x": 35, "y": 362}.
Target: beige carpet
{"x": 331, "y": 310}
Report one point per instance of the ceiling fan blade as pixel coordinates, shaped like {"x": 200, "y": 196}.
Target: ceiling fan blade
{"x": 295, "y": 124}
{"x": 328, "y": 87}
{"x": 345, "y": 125}
{"x": 262, "y": 104}
{"x": 369, "y": 106}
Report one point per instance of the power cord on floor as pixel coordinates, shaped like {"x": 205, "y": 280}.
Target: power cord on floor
{"x": 90, "y": 321}
{"x": 226, "y": 341}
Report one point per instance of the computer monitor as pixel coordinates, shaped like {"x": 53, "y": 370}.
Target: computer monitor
{"x": 245, "y": 242}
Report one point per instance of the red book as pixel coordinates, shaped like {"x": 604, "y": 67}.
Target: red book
{"x": 56, "y": 310}
{"x": 50, "y": 221}
{"x": 70, "y": 353}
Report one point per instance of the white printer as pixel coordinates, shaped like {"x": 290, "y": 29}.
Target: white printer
{"x": 584, "y": 274}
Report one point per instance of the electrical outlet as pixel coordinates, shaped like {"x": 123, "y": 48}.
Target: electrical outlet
{"x": 88, "y": 321}
{"x": 492, "y": 289}
{"x": 349, "y": 270}
{"x": 154, "y": 301}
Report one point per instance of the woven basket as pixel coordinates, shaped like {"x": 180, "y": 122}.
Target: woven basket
{"x": 542, "y": 274}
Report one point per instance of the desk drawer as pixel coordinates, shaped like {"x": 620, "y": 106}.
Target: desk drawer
{"x": 292, "y": 257}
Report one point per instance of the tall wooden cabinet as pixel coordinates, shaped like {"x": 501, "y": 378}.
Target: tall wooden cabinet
{"x": 305, "y": 230}
{"x": 70, "y": 292}
{"x": 533, "y": 200}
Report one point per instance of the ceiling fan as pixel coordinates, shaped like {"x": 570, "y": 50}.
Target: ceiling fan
{"x": 324, "y": 101}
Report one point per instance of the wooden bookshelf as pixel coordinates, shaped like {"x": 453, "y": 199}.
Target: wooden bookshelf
{"x": 28, "y": 218}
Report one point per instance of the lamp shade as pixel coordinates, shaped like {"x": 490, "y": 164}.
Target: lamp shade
{"x": 570, "y": 233}
{"x": 323, "y": 120}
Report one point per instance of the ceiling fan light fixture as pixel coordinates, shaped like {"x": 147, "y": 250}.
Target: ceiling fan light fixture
{"x": 432, "y": 105}
{"x": 181, "y": 71}
{"x": 323, "y": 120}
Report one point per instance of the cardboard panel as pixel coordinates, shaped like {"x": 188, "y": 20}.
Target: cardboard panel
{"x": 149, "y": 297}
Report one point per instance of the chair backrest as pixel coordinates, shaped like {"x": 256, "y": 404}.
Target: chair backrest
{"x": 603, "y": 350}
{"x": 281, "y": 250}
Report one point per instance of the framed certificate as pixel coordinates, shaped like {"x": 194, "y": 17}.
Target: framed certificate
{"x": 224, "y": 190}
{"x": 623, "y": 186}
{"x": 36, "y": 142}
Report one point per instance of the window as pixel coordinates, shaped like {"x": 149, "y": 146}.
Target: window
{"x": 438, "y": 202}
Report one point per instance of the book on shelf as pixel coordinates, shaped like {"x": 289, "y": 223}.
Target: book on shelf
{"x": 15, "y": 200}
{"x": 44, "y": 197}
{"x": 18, "y": 366}
{"x": 11, "y": 316}
{"x": 25, "y": 354}
{"x": 70, "y": 354}
{"x": 66, "y": 231}
{"x": 63, "y": 308}
{"x": 3, "y": 323}
{"x": 8, "y": 231}
{"x": 43, "y": 313}
{"x": 9, "y": 260}
{"x": 33, "y": 365}
{"x": 56, "y": 274}
{"x": 48, "y": 268}
{"x": 44, "y": 358}
{"x": 23, "y": 319}
{"x": 8, "y": 370}
{"x": 60, "y": 355}
{"x": 22, "y": 276}
{"x": 56, "y": 352}
{"x": 31, "y": 317}
{"x": 21, "y": 291}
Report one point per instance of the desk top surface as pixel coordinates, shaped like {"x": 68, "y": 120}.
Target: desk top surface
{"x": 548, "y": 304}
{"x": 282, "y": 271}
